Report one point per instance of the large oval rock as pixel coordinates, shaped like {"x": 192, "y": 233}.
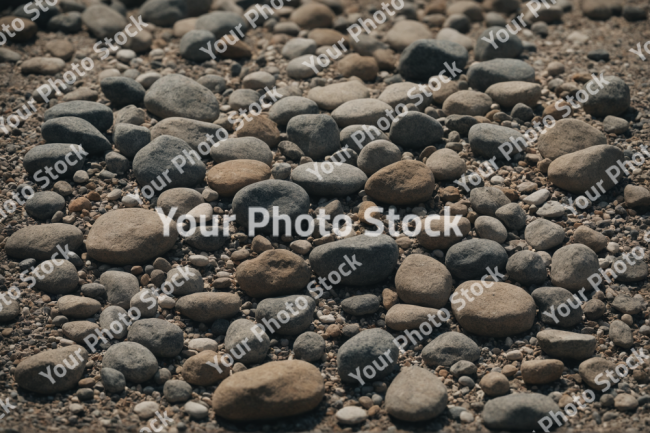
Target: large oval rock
{"x": 572, "y": 265}
{"x": 49, "y": 157}
{"x": 180, "y": 96}
{"x": 470, "y": 260}
{"x": 543, "y": 234}
{"x": 368, "y": 259}
{"x": 484, "y": 50}
{"x": 329, "y": 179}
{"x": 611, "y": 99}
{"x": 449, "y": 348}
{"x": 272, "y": 308}
{"x": 40, "y": 242}
{"x": 129, "y": 236}
{"x": 75, "y": 130}
{"x": 133, "y": 360}
{"x": 249, "y": 340}
{"x": 517, "y": 412}
{"x": 291, "y": 106}
{"x": 376, "y": 155}
{"x": 197, "y": 371}
{"x": 163, "y": 339}
{"x": 445, "y": 164}
{"x": 425, "y": 58}
{"x": 401, "y": 183}
{"x": 270, "y": 391}
{"x": 273, "y": 273}
{"x": 509, "y": 94}
{"x": 423, "y": 280}
{"x": 156, "y": 166}
{"x": 416, "y": 130}
{"x": 331, "y": 97}
{"x": 416, "y": 395}
{"x": 56, "y": 278}
{"x": 566, "y": 345}
{"x": 44, "y": 204}
{"x": 568, "y": 136}
{"x": 317, "y": 135}
{"x": 229, "y": 177}
{"x": 548, "y": 299}
{"x": 467, "y": 102}
{"x": 482, "y": 75}
{"x": 289, "y": 198}
{"x": 498, "y": 310}
{"x": 31, "y": 374}
{"x": 360, "y": 112}
{"x": 580, "y": 171}
{"x": 98, "y": 115}
{"x": 361, "y": 350}
{"x": 220, "y": 23}
{"x": 191, "y": 131}
{"x": 120, "y": 287}
{"x": 209, "y": 306}
{"x": 242, "y": 148}
{"x": 443, "y": 233}
{"x": 486, "y": 138}
{"x": 103, "y": 21}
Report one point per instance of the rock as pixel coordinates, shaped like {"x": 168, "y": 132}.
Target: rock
{"x": 543, "y": 235}
{"x": 42, "y": 66}
{"x": 624, "y": 402}
{"x": 203, "y": 344}
{"x": 43, "y": 158}
{"x": 425, "y": 58}
{"x": 594, "y": 309}
{"x": 209, "y": 306}
{"x": 242, "y": 148}
{"x": 487, "y": 140}
{"x": 146, "y": 409}
{"x": 122, "y": 91}
{"x": 303, "y": 67}
{"x": 327, "y": 179}
{"x": 10, "y": 310}
{"x": 627, "y": 304}
{"x": 498, "y": 311}
{"x": 127, "y": 236}
{"x": 44, "y": 204}
{"x": 472, "y": 258}
{"x": 330, "y": 97}
{"x": 312, "y": 16}
{"x": 297, "y": 47}
{"x": 361, "y": 350}
{"x": 509, "y": 94}
{"x": 621, "y": 334}
{"x": 454, "y": 36}
{"x": 566, "y": 345}
{"x": 196, "y": 411}
{"x": 351, "y": 415}
{"x": 482, "y": 75}
{"x": 197, "y": 371}
{"x": 360, "y": 305}
{"x": 103, "y": 21}
{"x": 460, "y": 123}
{"x": 512, "y": 216}
{"x": 98, "y": 115}
{"x": 7, "y": 55}
{"x": 77, "y": 307}
{"x": 400, "y": 93}
{"x": 572, "y": 266}
{"x": 615, "y": 125}
{"x": 369, "y": 259}
{"x": 317, "y": 135}
{"x": 73, "y": 359}
{"x": 517, "y": 411}
{"x": 193, "y": 132}
{"x": 467, "y": 102}
{"x": 120, "y": 287}
{"x": 376, "y": 155}
{"x": 360, "y": 136}
{"x": 278, "y": 309}
{"x": 422, "y": 280}
{"x": 463, "y": 368}
{"x": 416, "y": 130}
{"x": 263, "y": 128}
{"x": 163, "y": 339}
{"x": 273, "y": 273}
{"x": 612, "y": 98}
{"x": 406, "y": 32}
{"x": 449, "y": 348}
{"x": 359, "y": 112}
{"x": 112, "y": 380}
{"x": 403, "y": 316}
{"x": 490, "y": 228}
{"x": 177, "y": 391}
{"x": 591, "y": 238}
{"x": 446, "y": 236}
{"x": 179, "y": 96}
{"x": 495, "y": 384}
{"x": 287, "y": 108}
{"x": 111, "y": 317}
{"x": 133, "y": 360}
{"x": 57, "y": 277}
{"x": 163, "y": 13}
{"x": 291, "y": 200}
{"x": 309, "y": 346}
{"x": 401, "y": 183}
{"x": 364, "y": 67}
{"x": 215, "y": 83}
{"x": 129, "y": 139}
{"x": 527, "y": 268}
{"x": 270, "y": 391}
{"x": 592, "y": 368}
{"x": 416, "y": 395}
{"x": 40, "y": 242}
{"x": 75, "y": 130}
{"x": 551, "y": 312}
{"x": 243, "y": 330}
{"x": 184, "y": 199}
{"x": 220, "y": 23}
{"x": 231, "y": 176}
{"x": 509, "y": 49}
{"x": 568, "y": 136}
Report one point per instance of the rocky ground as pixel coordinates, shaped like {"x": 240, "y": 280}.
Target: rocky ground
{"x": 499, "y": 355}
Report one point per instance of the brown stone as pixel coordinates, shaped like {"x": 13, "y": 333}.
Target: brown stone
{"x": 362, "y": 211}
{"x": 313, "y": 15}
{"x": 327, "y": 37}
{"x": 263, "y": 128}
{"x": 238, "y": 50}
{"x": 270, "y": 391}
{"x": 79, "y": 204}
{"x": 364, "y": 67}
{"x": 495, "y": 384}
{"x": 229, "y": 177}
{"x": 389, "y": 298}
{"x": 401, "y": 183}
{"x": 25, "y": 34}
{"x": 197, "y": 371}
{"x": 541, "y": 372}
{"x": 442, "y": 241}
{"x": 558, "y": 114}
{"x": 273, "y": 273}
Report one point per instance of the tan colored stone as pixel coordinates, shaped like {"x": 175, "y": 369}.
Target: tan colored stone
{"x": 229, "y": 177}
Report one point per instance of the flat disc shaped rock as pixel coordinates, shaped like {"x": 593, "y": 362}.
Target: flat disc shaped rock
{"x": 329, "y": 179}
{"x": 180, "y": 96}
